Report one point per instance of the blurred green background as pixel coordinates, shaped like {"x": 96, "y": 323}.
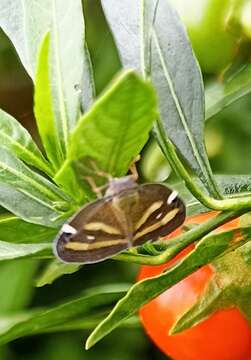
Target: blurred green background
{"x": 229, "y": 147}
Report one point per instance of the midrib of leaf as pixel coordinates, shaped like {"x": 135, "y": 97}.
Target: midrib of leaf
{"x": 59, "y": 83}
{"x": 117, "y": 146}
{"x": 201, "y": 163}
{"x": 5, "y": 218}
{"x": 142, "y": 47}
{"x": 145, "y": 70}
{"x": 37, "y": 199}
{"x": 40, "y": 164}
{"x": 26, "y": 249}
{"x": 29, "y": 180}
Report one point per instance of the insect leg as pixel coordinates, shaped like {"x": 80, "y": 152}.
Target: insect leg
{"x": 133, "y": 168}
{"x": 97, "y": 190}
{"x": 98, "y": 171}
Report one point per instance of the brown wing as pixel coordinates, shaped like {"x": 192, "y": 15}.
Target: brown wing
{"x": 95, "y": 233}
{"x": 154, "y": 212}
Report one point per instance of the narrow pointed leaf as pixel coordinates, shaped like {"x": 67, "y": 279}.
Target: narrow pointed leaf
{"x": 142, "y": 292}
{"x": 17, "y": 140}
{"x": 16, "y": 230}
{"x": 17, "y": 18}
{"x": 131, "y": 23}
{"x": 54, "y": 270}
{"x": 46, "y": 120}
{"x": 67, "y": 54}
{"x": 95, "y": 302}
{"x": 177, "y": 78}
{"x": 28, "y": 194}
{"x": 43, "y": 107}
{"x": 9, "y": 251}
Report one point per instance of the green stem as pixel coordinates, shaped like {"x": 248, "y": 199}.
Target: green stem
{"x": 177, "y": 244}
{"x": 226, "y": 204}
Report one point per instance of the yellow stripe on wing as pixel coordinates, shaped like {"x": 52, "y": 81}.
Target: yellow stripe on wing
{"x": 81, "y": 246}
{"x": 165, "y": 220}
{"x": 96, "y": 226}
{"x": 155, "y": 206}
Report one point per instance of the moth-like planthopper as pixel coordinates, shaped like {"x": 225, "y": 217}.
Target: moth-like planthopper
{"x": 127, "y": 215}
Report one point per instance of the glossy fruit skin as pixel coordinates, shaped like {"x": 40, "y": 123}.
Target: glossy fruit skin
{"x": 225, "y": 335}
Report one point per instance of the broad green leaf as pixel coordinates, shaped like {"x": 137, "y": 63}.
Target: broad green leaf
{"x": 43, "y": 107}
{"x": 15, "y": 138}
{"x": 222, "y": 94}
{"x": 10, "y": 251}
{"x": 93, "y": 302}
{"x": 128, "y": 107}
{"x": 54, "y": 270}
{"x": 16, "y": 230}
{"x": 67, "y": 62}
{"x": 25, "y": 22}
{"x": 156, "y": 37}
{"x": 142, "y": 292}
{"x": 29, "y": 195}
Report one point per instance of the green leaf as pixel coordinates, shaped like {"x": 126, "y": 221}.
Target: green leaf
{"x": 230, "y": 185}
{"x": 15, "y": 138}
{"x": 17, "y": 18}
{"x": 9, "y": 251}
{"x": 67, "y": 62}
{"x": 43, "y": 107}
{"x": 144, "y": 291}
{"x": 177, "y": 78}
{"x": 90, "y": 322}
{"x": 29, "y": 195}
{"x": 149, "y": 33}
{"x": 131, "y": 40}
{"x": 222, "y": 94}
{"x": 93, "y": 302}
{"x": 15, "y": 230}
{"x": 128, "y": 107}
{"x": 54, "y": 270}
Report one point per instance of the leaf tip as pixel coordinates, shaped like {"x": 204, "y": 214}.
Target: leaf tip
{"x": 174, "y": 330}
{"x": 89, "y": 343}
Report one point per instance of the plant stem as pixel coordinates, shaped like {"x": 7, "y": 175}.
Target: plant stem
{"x": 180, "y": 242}
{"x": 227, "y": 204}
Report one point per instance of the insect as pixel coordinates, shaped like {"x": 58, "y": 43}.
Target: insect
{"x": 128, "y": 215}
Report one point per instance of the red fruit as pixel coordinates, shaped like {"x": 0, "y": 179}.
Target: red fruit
{"x": 225, "y": 335}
